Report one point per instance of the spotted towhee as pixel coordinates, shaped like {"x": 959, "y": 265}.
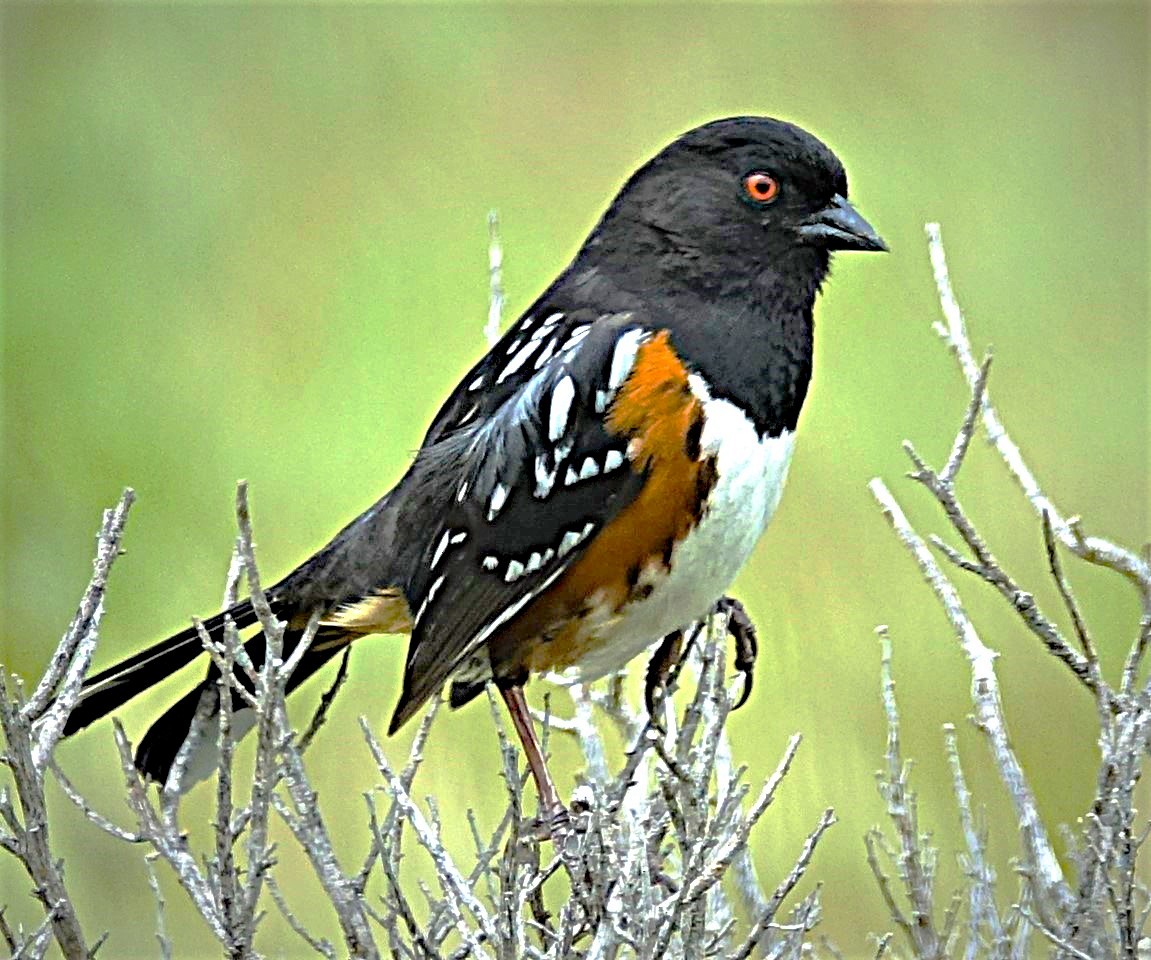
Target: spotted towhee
{"x": 598, "y": 478}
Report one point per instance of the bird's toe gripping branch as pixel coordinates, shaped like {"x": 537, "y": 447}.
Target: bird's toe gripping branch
{"x": 742, "y": 631}
{"x": 666, "y": 660}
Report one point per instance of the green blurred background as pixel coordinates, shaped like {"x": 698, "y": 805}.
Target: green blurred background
{"x": 252, "y": 243}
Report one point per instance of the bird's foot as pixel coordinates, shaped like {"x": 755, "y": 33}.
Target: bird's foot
{"x": 657, "y": 679}
{"x": 663, "y": 664}
{"x": 742, "y": 631}
{"x": 552, "y": 823}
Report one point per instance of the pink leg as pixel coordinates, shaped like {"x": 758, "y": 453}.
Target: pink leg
{"x": 551, "y": 807}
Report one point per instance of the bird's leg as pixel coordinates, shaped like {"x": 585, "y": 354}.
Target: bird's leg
{"x": 659, "y": 669}
{"x": 553, "y": 814}
{"x": 742, "y": 631}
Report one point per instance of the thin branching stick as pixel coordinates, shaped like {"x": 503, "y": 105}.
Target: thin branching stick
{"x": 986, "y": 697}
{"x": 32, "y": 729}
{"x": 953, "y": 331}
{"x": 1101, "y": 912}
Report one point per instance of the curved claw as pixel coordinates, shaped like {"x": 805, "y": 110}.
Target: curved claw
{"x": 742, "y": 631}
{"x": 659, "y": 668}
{"x": 745, "y": 692}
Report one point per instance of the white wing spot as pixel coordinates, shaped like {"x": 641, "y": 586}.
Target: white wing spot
{"x": 499, "y": 498}
{"x": 573, "y": 538}
{"x": 460, "y": 537}
{"x": 570, "y": 477}
{"x": 462, "y": 492}
{"x": 562, "y": 396}
{"x": 515, "y": 571}
{"x": 428, "y": 597}
{"x": 467, "y": 416}
{"x": 440, "y": 548}
{"x": 535, "y": 561}
{"x": 517, "y": 361}
{"x": 477, "y": 383}
{"x": 552, "y": 319}
{"x": 612, "y": 460}
{"x": 545, "y": 478}
{"x": 490, "y": 563}
{"x": 589, "y": 469}
{"x": 623, "y": 357}
{"x": 545, "y": 354}
{"x": 601, "y": 399}
{"x": 568, "y": 543}
{"x": 576, "y": 335}
{"x": 513, "y": 346}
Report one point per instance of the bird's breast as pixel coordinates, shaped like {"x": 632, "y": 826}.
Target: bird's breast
{"x": 730, "y": 478}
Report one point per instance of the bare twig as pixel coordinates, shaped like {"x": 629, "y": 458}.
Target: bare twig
{"x": 32, "y": 729}
{"x": 495, "y": 280}
{"x": 1092, "y": 549}
{"x": 983, "y": 912}
{"x": 1058, "y": 941}
{"x": 967, "y": 428}
{"x": 915, "y": 859}
{"x": 317, "y": 944}
{"x": 988, "y": 567}
{"x": 320, "y": 716}
{"x": 161, "y": 926}
{"x": 784, "y": 889}
{"x": 69, "y": 662}
{"x": 454, "y": 882}
{"x": 171, "y": 845}
{"x": 1102, "y": 915}
{"x": 94, "y": 816}
{"x": 985, "y": 694}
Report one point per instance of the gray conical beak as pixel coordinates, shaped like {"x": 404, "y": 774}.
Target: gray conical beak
{"x": 838, "y": 226}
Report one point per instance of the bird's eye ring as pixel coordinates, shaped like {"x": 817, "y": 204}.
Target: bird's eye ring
{"x": 761, "y": 187}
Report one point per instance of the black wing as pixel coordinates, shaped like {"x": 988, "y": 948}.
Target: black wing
{"x": 546, "y": 331}
{"x": 530, "y": 485}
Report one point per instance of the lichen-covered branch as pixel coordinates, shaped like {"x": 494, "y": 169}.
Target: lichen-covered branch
{"x": 1100, "y": 912}
{"x": 953, "y": 331}
{"x": 31, "y": 730}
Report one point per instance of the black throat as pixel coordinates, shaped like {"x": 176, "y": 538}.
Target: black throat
{"x": 749, "y": 334}
{"x": 757, "y": 355}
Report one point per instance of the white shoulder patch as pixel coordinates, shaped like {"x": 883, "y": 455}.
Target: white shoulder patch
{"x": 623, "y": 357}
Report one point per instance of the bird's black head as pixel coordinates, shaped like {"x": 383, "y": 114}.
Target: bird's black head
{"x": 742, "y": 196}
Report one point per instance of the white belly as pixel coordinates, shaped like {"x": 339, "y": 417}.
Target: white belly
{"x": 750, "y": 475}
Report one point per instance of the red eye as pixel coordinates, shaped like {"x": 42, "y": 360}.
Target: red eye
{"x": 761, "y": 187}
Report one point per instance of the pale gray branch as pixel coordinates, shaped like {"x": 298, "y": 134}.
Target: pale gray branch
{"x": 986, "y": 698}
{"x": 954, "y": 333}
{"x": 69, "y": 661}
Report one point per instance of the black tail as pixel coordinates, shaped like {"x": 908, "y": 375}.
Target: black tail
{"x": 353, "y": 564}
{"x": 157, "y": 750}
{"x": 156, "y": 753}
{"x": 115, "y": 686}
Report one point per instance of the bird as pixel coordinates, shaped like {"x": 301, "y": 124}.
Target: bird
{"x": 597, "y": 479}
